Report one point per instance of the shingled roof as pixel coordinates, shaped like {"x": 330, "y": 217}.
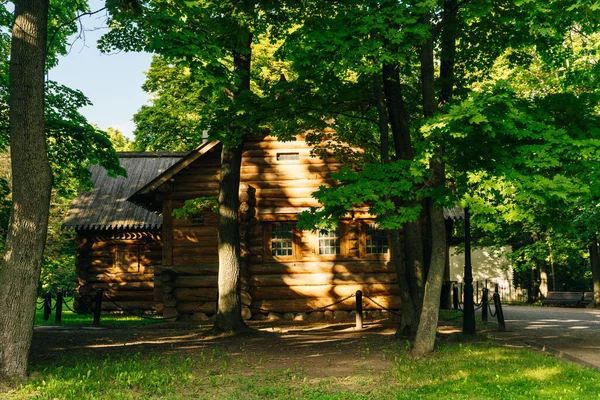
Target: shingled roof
{"x": 106, "y": 206}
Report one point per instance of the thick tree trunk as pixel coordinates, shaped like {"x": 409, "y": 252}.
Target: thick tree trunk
{"x": 595, "y": 261}
{"x": 410, "y": 315}
{"x": 32, "y": 184}
{"x": 413, "y": 235}
{"x": 229, "y": 312}
{"x": 425, "y": 339}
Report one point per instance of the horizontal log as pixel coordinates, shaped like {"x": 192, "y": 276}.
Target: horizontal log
{"x": 196, "y": 282}
{"x": 325, "y": 291}
{"x": 137, "y": 243}
{"x": 285, "y": 193}
{"x": 204, "y": 269}
{"x": 317, "y": 178}
{"x": 111, "y": 269}
{"x": 133, "y": 295}
{"x": 272, "y": 160}
{"x": 187, "y": 307}
{"x": 320, "y": 279}
{"x": 123, "y": 285}
{"x": 303, "y": 202}
{"x": 189, "y": 259}
{"x": 128, "y": 305}
{"x": 307, "y": 170}
{"x": 194, "y": 294}
{"x": 313, "y": 267}
{"x": 120, "y": 277}
{"x": 198, "y": 246}
{"x": 302, "y": 305}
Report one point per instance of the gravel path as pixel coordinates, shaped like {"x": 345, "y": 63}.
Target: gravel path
{"x": 570, "y": 333}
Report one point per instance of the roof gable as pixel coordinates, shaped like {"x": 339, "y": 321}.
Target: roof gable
{"x": 143, "y": 197}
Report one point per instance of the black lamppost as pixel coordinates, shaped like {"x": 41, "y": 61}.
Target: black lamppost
{"x": 469, "y": 305}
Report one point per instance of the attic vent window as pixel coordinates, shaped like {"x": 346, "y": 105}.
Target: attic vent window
{"x": 288, "y": 156}
{"x": 197, "y": 219}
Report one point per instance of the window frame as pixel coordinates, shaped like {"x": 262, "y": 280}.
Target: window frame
{"x": 364, "y": 226}
{"x": 268, "y": 241}
{"x": 340, "y": 236}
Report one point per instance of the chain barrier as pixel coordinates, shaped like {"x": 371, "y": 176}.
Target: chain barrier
{"x": 492, "y": 314}
{"x": 68, "y": 307}
{"x": 332, "y": 304}
{"x": 379, "y": 305}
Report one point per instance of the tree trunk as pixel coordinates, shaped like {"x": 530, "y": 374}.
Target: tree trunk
{"x": 229, "y": 317}
{"x": 410, "y": 315}
{"x": 413, "y": 235}
{"x": 595, "y": 261}
{"x": 425, "y": 339}
{"x": 32, "y": 184}
{"x": 383, "y": 119}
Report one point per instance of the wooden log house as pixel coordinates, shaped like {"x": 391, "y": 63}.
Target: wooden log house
{"x": 118, "y": 243}
{"x": 284, "y": 270}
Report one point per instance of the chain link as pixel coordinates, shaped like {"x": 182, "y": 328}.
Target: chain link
{"x": 332, "y": 304}
{"x": 382, "y": 307}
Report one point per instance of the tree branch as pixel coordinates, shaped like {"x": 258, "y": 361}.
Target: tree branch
{"x": 438, "y": 27}
{"x": 71, "y": 21}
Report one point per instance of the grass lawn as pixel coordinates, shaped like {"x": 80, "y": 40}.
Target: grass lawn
{"x": 477, "y": 371}
{"x": 70, "y": 318}
{"x": 361, "y": 367}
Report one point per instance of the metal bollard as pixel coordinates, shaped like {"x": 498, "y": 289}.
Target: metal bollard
{"x": 484, "y": 304}
{"x": 359, "y": 310}
{"x": 47, "y": 306}
{"x": 59, "y": 304}
{"x": 455, "y": 297}
{"x": 98, "y": 307}
{"x": 499, "y": 313}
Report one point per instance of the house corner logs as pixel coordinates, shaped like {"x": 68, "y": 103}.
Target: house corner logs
{"x": 247, "y": 214}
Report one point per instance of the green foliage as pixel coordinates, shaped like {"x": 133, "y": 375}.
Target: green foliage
{"x": 58, "y": 270}
{"x": 379, "y": 186}
{"x": 119, "y": 141}
{"x": 195, "y": 206}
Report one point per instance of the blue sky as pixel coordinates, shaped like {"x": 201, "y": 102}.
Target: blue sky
{"x": 111, "y": 81}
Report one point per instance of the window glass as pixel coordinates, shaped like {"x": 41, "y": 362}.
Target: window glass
{"x": 377, "y": 240}
{"x": 329, "y": 241}
{"x": 281, "y": 240}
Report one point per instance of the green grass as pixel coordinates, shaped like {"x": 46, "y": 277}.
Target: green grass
{"x": 70, "y": 318}
{"x": 457, "y": 371}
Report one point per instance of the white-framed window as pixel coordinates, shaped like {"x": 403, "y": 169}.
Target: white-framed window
{"x": 282, "y": 240}
{"x": 329, "y": 241}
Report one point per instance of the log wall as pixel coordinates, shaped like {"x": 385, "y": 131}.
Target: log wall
{"x": 122, "y": 264}
{"x": 277, "y": 181}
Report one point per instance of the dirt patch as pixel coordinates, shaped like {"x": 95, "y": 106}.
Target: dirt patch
{"x": 320, "y": 350}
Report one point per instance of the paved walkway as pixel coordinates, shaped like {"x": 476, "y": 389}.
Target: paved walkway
{"x": 570, "y": 333}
